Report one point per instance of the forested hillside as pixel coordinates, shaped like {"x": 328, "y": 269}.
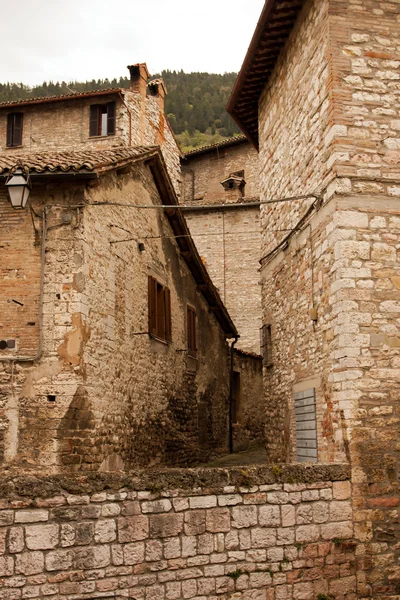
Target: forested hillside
{"x": 195, "y": 103}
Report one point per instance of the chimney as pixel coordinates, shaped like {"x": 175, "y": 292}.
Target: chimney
{"x": 139, "y": 76}
{"x": 158, "y": 90}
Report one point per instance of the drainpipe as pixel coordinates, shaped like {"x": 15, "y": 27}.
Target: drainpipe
{"x": 231, "y": 396}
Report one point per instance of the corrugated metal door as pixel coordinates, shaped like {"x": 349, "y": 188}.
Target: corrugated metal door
{"x": 306, "y": 426}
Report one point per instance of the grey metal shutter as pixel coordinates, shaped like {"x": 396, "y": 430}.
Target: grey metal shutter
{"x": 306, "y": 426}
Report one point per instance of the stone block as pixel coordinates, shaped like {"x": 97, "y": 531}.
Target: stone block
{"x": 230, "y": 500}
{"x": 288, "y": 513}
{"x": 7, "y": 566}
{"x": 269, "y": 516}
{"x": 218, "y": 520}
{"x": 172, "y": 547}
{"x": 31, "y": 516}
{"x": 29, "y": 563}
{"x": 306, "y": 534}
{"x": 263, "y": 537}
{"x": 133, "y": 553}
{"x": 110, "y": 509}
{"x": 163, "y": 526}
{"x": 157, "y": 506}
{"x": 195, "y": 522}
{"x": 202, "y": 501}
{"x": 153, "y": 550}
{"x": 340, "y": 511}
{"x": 42, "y": 537}
{"x": 331, "y": 531}
{"x": 132, "y": 529}
{"x": 16, "y": 539}
{"x": 244, "y": 516}
{"x": 105, "y": 531}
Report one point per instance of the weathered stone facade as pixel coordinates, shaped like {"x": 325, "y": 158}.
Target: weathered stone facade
{"x": 330, "y": 263}
{"x": 228, "y": 238}
{"x": 64, "y": 123}
{"x": 242, "y": 534}
{"x": 104, "y": 394}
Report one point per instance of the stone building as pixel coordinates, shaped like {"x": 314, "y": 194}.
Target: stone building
{"x": 100, "y": 120}
{"x": 220, "y": 187}
{"x": 115, "y": 349}
{"x": 318, "y": 94}
{"x": 113, "y": 345}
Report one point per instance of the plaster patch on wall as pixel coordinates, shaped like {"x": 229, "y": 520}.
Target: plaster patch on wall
{"x": 71, "y": 350}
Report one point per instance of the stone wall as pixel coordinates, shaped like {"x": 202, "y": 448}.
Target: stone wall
{"x": 203, "y": 171}
{"x": 228, "y": 240}
{"x": 229, "y": 243}
{"x": 248, "y": 428}
{"x": 330, "y": 292}
{"x": 202, "y": 534}
{"x": 105, "y": 394}
{"x": 64, "y": 125}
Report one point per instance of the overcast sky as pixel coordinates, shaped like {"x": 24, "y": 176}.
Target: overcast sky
{"x": 85, "y": 39}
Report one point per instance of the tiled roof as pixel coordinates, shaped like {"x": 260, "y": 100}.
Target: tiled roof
{"x": 232, "y": 141}
{"x": 73, "y": 161}
{"x": 273, "y": 28}
{"x": 72, "y": 96}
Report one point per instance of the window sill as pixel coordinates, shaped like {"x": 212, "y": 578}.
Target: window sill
{"x": 101, "y": 137}
{"x": 11, "y": 147}
{"x": 160, "y": 340}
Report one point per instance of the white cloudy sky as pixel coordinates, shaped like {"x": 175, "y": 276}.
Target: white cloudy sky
{"x": 86, "y": 39}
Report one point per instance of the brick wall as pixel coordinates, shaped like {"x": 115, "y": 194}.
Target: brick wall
{"x": 163, "y": 536}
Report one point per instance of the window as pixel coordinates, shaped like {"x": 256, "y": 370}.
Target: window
{"x": 191, "y": 331}
{"x": 159, "y": 310}
{"x": 102, "y": 119}
{"x": 266, "y": 345}
{"x": 14, "y": 129}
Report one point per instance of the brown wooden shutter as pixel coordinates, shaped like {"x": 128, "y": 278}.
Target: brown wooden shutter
{"x": 152, "y": 306}
{"x": 168, "y": 325}
{"x": 94, "y": 120}
{"x": 17, "y": 134}
{"x": 10, "y": 127}
{"x": 111, "y": 118}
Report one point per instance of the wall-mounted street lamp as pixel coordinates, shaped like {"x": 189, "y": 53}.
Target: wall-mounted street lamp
{"x": 19, "y": 187}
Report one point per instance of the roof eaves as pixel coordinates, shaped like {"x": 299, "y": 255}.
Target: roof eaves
{"x": 186, "y": 245}
{"x": 237, "y": 139}
{"x": 49, "y": 99}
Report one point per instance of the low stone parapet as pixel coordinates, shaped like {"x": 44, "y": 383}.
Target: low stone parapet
{"x": 251, "y": 533}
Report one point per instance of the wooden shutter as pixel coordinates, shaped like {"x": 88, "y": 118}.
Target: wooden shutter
{"x": 306, "y": 426}
{"x": 17, "y": 135}
{"x": 95, "y": 121}
{"x": 111, "y": 118}
{"x": 10, "y": 127}
{"x": 167, "y": 304}
{"x": 152, "y": 306}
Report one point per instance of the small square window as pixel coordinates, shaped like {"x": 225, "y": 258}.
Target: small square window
{"x": 14, "y": 129}
{"x": 102, "y": 119}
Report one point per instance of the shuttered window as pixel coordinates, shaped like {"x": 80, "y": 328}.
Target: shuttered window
{"x": 14, "y": 129}
{"x": 159, "y": 310}
{"x": 102, "y": 119}
{"x": 306, "y": 426}
{"x": 191, "y": 331}
{"x": 266, "y": 345}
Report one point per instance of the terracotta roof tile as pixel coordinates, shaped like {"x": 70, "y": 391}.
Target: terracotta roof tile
{"x": 72, "y": 96}
{"x": 232, "y": 141}
{"x": 72, "y": 161}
